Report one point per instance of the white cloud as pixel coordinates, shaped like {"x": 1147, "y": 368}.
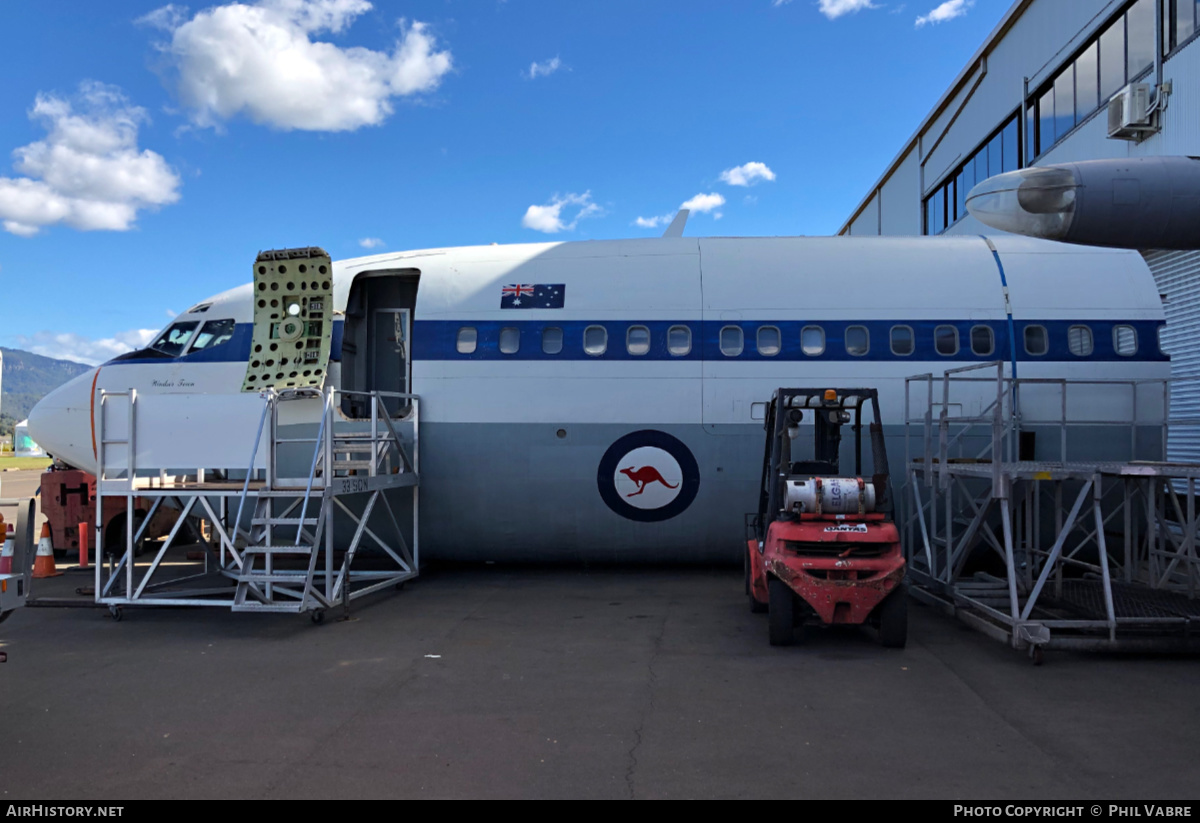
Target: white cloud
{"x": 544, "y": 68}
{"x": 70, "y": 346}
{"x": 833, "y": 9}
{"x": 778, "y": 3}
{"x": 705, "y": 203}
{"x": 946, "y": 11}
{"x": 548, "y": 218}
{"x": 260, "y": 60}
{"x": 88, "y": 172}
{"x": 747, "y": 174}
{"x": 653, "y": 222}
{"x": 370, "y": 242}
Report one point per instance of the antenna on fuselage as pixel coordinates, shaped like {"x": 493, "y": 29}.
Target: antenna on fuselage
{"x": 676, "y": 227}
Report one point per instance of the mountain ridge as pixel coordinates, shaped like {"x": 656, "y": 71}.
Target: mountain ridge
{"x": 29, "y": 377}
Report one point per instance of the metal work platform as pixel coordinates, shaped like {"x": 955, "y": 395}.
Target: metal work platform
{"x": 1068, "y": 553}
{"x": 313, "y": 522}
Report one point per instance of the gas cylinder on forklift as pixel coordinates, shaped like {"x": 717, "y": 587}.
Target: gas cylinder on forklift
{"x": 822, "y": 547}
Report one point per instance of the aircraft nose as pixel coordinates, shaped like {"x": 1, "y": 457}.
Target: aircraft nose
{"x": 61, "y": 423}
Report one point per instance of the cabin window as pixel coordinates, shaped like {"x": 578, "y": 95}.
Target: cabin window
{"x": 1035, "y": 340}
{"x": 1079, "y": 340}
{"x": 637, "y": 340}
{"x": 510, "y": 340}
{"x": 595, "y": 340}
{"x": 945, "y": 340}
{"x": 902, "y": 340}
{"x": 812, "y": 340}
{"x": 1125, "y": 340}
{"x": 679, "y": 340}
{"x": 858, "y": 340}
{"x": 732, "y": 341}
{"x": 983, "y": 341}
{"x": 768, "y": 341}
{"x": 214, "y": 333}
{"x": 552, "y": 340}
{"x": 468, "y": 339}
{"x": 174, "y": 340}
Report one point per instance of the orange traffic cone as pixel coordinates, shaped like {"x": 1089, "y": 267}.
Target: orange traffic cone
{"x": 6, "y": 556}
{"x": 43, "y": 564}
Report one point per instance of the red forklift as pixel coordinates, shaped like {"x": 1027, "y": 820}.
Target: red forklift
{"x": 822, "y": 547}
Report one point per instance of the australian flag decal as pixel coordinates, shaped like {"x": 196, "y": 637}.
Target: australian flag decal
{"x": 533, "y": 296}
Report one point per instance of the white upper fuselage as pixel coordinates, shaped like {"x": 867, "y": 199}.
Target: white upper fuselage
{"x": 192, "y": 412}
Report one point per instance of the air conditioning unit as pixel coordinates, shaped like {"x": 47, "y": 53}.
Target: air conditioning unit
{"x": 1129, "y": 116}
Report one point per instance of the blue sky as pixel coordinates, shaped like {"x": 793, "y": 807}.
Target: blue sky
{"x": 148, "y": 152}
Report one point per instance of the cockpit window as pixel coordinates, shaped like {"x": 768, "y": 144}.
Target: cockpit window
{"x": 174, "y": 340}
{"x": 214, "y": 333}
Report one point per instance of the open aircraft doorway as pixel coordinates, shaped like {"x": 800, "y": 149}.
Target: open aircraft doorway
{"x": 376, "y": 341}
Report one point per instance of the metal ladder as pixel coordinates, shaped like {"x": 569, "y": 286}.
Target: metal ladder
{"x": 344, "y": 463}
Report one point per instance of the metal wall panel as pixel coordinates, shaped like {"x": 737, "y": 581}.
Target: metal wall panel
{"x": 901, "y": 200}
{"x": 1181, "y": 120}
{"x": 1178, "y": 277}
{"x": 868, "y": 219}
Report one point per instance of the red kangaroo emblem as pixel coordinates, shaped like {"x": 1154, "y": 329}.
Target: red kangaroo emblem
{"x": 643, "y": 477}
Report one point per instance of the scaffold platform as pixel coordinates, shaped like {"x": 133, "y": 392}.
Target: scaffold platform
{"x": 314, "y": 522}
{"x": 1060, "y": 554}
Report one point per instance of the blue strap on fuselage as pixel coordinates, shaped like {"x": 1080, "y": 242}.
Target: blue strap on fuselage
{"x": 1012, "y": 329}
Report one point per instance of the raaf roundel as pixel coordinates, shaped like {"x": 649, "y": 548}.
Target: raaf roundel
{"x": 648, "y": 476}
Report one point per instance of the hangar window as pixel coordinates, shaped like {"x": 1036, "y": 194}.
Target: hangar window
{"x": 732, "y": 341}
{"x": 510, "y": 340}
{"x": 945, "y": 340}
{"x": 552, "y": 340}
{"x": 214, "y": 333}
{"x": 468, "y": 339}
{"x": 1087, "y": 82}
{"x": 1122, "y": 53}
{"x": 1000, "y": 152}
{"x": 812, "y": 340}
{"x": 1079, "y": 340}
{"x": 983, "y": 341}
{"x": 858, "y": 340}
{"x": 769, "y": 341}
{"x": 1180, "y": 22}
{"x": 637, "y": 340}
{"x": 595, "y": 340}
{"x": 1139, "y": 38}
{"x": 1112, "y": 58}
{"x": 174, "y": 340}
{"x": 1125, "y": 340}
{"x": 679, "y": 340}
{"x": 1035, "y": 340}
{"x": 902, "y": 340}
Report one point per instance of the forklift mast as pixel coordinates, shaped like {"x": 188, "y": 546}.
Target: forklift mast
{"x": 830, "y": 410}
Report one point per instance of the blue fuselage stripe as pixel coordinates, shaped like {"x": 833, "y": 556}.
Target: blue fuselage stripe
{"x": 437, "y": 340}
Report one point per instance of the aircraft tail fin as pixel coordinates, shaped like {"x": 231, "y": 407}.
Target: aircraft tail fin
{"x": 676, "y": 227}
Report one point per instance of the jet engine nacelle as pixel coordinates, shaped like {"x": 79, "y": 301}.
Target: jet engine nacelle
{"x": 1141, "y": 203}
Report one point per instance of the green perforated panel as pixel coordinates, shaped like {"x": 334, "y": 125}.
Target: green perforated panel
{"x": 293, "y": 319}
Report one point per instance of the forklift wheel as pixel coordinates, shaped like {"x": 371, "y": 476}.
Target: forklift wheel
{"x": 782, "y": 629}
{"x": 893, "y": 619}
{"x": 755, "y": 606}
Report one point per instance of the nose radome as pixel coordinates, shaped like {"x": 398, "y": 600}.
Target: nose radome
{"x": 61, "y": 423}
